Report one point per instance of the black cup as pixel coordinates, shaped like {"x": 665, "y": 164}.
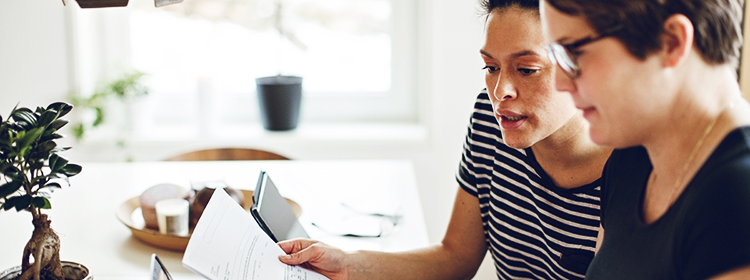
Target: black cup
{"x": 279, "y": 98}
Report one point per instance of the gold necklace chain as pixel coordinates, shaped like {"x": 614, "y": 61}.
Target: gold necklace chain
{"x": 697, "y": 147}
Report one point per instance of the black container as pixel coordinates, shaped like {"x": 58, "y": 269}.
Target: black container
{"x": 86, "y": 4}
{"x": 279, "y": 98}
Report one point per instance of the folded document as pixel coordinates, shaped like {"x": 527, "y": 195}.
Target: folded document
{"x": 227, "y": 243}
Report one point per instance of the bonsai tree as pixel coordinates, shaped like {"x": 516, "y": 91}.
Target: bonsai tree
{"x": 31, "y": 171}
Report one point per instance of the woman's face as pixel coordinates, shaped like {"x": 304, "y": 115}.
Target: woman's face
{"x": 621, "y": 96}
{"x": 520, "y": 80}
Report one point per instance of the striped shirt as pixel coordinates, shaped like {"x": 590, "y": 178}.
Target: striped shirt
{"x": 534, "y": 229}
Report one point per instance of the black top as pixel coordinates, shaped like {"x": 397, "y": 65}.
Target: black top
{"x": 704, "y": 233}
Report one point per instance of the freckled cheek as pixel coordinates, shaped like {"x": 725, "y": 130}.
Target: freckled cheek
{"x": 538, "y": 90}
{"x": 545, "y": 101}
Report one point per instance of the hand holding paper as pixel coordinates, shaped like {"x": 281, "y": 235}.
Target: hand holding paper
{"x": 228, "y": 244}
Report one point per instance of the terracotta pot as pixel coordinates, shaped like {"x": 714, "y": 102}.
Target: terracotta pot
{"x": 71, "y": 270}
{"x": 84, "y": 4}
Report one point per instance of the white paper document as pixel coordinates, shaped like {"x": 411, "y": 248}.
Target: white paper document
{"x": 228, "y": 244}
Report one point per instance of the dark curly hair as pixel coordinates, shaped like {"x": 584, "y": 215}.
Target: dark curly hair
{"x": 490, "y": 5}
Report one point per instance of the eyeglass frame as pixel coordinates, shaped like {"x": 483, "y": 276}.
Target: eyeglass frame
{"x": 568, "y": 63}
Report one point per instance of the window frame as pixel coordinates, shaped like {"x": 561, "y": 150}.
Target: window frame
{"x": 100, "y": 40}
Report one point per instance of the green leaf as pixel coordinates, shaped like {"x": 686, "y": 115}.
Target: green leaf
{"x": 10, "y": 203}
{"x": 24, "y": 151}
{"x": 50, "y": 137}
{"x": 53, "y": 185}
{"x": 41, "y": 202}
{"x": 37, "y": 164}
{"x": 53, "y": 161}
{"x": 4, "y": 166}
{"x": 57, "y": 124}
{"x": 78, "y": 131}
{"x": 21, "y": 133}
{"x": 56, "y": 163}
{"x": 23, "y": 202}
{"x": 99, "y": 117}
{"x": 30, "y": 137}
{"x": 61, "y": 107}
{"x": 46, "y": 147}
{"x": 72, "y": 169}
{"x": 24, "y": 115}
{"x": 9, "y": 188}
{"x": 15, "y": 128}
{"x": 47, "y": 117}
{"x": 14, "y": 174}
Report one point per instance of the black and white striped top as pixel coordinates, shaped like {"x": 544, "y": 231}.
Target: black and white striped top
{"x": 534, "y": 229}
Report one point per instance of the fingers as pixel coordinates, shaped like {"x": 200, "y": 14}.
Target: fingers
{"x": 302, "y": 256}
{"x": 296, "y": 250}
{"x": 315, "y": 256}
{"x": 295, "y": 245}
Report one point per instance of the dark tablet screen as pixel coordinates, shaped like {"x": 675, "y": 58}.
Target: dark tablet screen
{"x": 273, "y": 213}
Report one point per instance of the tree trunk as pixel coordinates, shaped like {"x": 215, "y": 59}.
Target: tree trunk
{"x": 44, "y": 246}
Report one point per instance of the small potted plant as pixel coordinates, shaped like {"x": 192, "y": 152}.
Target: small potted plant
{"x": 280, "y": 96}
{"x": 31, "y": 170}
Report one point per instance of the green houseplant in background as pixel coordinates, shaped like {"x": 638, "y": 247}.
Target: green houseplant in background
{"x": 96, "y": 109}
{"x": 123, "y": 90}
{"x": 31, "y": 171}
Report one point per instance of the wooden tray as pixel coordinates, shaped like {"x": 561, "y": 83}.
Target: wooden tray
{"x": 129, "y": 213}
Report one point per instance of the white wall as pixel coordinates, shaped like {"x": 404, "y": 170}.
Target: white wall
{"x": 33, "y": 53}
{"x": 34, "y": 66}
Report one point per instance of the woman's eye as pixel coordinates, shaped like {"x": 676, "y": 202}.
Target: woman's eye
{"x": 527, "y": 71}
{"x": 573, "y": 53}
{"x": 490, "y": 68}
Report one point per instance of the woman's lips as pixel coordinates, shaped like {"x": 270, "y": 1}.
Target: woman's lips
{"x": 512, "y": 122}
{"x": 587, "y": 112}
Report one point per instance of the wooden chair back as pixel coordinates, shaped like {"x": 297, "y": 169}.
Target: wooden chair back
{"x": 227, "y": 154}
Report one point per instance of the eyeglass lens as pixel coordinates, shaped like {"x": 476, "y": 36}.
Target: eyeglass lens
{"x": 564, "y": 59}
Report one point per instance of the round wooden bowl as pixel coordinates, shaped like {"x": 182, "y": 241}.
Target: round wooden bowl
{"x": 129, "y": 213}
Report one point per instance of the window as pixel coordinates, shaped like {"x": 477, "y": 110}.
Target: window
{"x": 357, "y": 59}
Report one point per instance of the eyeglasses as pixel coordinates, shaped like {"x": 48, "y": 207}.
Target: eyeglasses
{"x": 565, "y": 54}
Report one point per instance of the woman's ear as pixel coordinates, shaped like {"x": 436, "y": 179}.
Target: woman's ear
{"x": 677, "y": 39}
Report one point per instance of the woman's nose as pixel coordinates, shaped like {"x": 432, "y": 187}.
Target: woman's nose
{"x": 504, "y": 88}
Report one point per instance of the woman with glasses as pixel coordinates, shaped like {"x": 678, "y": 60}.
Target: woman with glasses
{"x": 529, "y": 176}
{"x": 657, "y": 80}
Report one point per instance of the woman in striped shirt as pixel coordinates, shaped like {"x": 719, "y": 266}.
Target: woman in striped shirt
{"x": 529, "y": 176}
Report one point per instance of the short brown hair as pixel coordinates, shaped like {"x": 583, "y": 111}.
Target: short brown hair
{"x": 718, "y": 23}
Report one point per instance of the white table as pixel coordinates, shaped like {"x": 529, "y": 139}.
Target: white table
{"x": 83, "y": 215}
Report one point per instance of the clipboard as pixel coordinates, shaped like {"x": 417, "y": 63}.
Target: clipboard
{"x": 273, "y": 213}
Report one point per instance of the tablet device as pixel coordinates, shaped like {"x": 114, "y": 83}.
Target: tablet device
{"x": 273, "y": 213}
{"x": 158, "y": 271}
